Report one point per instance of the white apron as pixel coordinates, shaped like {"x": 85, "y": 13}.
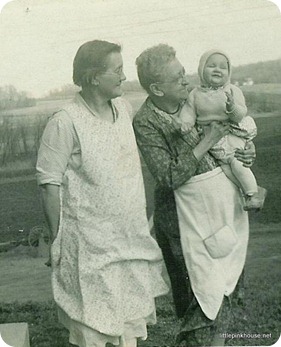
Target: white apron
{"x": 106, "y": 266}
{"x": 214, "y": 234}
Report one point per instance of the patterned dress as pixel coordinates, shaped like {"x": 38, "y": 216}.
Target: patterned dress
{"x": 169, "y": 157}
{"x": 106, "y": 267}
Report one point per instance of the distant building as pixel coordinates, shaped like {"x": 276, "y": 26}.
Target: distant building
{"x": 248, "y": 82}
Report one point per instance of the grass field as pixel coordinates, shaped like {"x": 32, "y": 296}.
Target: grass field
{"x": 271, "y": 88}
{"x": 261, "y": 313}
{"x": 20, "y": 210}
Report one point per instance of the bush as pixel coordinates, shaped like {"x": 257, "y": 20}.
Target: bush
{"x": 20, "y": 137}
{"x": 10, "y": 98}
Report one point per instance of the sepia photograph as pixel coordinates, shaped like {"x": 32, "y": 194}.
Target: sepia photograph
{"x": 140, "y": 160}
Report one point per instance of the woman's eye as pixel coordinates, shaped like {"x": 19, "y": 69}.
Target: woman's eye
{"x": 119, "y": 71}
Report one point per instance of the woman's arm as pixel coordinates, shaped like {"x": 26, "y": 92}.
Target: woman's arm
{"x": 53, "y": 157}
{"x": 168, "y": 169}
{"x": 51, "y": 206}
{"x": 212, "y": 134}
{"x": 57, "y": 145}
{"x": 56, "y": 148}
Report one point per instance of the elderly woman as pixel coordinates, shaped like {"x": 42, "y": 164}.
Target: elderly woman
{"x": 106, "y": 267}
{"x": 204, "y": 272}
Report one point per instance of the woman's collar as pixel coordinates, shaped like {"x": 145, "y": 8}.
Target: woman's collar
{"x": 80, "y": 99}
{"x": 161, "y": 112}
{"x": 206, "y": 88}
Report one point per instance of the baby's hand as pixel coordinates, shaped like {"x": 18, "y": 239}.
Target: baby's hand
{"x": 186, "y": 127}
{"x": 230, "y": 101}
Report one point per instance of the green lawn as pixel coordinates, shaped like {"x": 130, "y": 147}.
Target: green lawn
{"x": 20, "y": 209}
{"x": 268, "y": 88}
{"x": 261, "y": 313}
{"x": 267, "y": 167}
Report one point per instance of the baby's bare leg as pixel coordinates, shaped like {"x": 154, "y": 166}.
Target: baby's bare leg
{"x": 228, "y": 172}
{"x": 245, "y": 176}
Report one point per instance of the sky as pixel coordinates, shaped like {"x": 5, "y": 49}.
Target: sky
{"x": 39, "y": 38}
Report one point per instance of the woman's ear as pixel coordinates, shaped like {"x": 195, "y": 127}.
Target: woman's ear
{"x": 155, "y": 89}
{"x": 95, "y": 81}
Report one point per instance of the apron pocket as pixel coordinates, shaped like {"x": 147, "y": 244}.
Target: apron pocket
{"x": 221, "y": 243}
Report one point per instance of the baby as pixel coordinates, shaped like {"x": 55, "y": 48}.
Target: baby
{"x": 216, "y": 99}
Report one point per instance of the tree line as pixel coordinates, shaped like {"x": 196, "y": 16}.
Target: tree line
{"x": 11, "y": 98}
{"x": 261, "y": 72}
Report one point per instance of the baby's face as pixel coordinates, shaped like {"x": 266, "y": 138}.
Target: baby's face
{"x": 216, "y": 70}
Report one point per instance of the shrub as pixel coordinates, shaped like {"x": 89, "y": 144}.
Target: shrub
{"x": 20, "y": 137}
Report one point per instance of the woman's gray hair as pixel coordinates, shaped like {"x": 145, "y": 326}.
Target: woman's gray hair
{"x": 91, "y": 59}
{"x": 152, "y": 62}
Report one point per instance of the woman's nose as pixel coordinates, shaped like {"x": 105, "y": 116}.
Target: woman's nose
{"x": 123, "y": 76}
{"x": 185, "y": 80}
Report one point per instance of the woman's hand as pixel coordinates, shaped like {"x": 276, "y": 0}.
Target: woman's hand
{"x": 247, "y": 155}
{"x": 51, "y": 205}
{"x": 49, "y": 262}
{"x": 214, "y": 132}
{"x": 186, "y": 127}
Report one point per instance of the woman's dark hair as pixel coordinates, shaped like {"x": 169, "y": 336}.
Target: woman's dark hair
{"x": 91, "y": 59}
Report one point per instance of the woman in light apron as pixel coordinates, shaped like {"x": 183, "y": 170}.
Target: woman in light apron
{"x": 106, "y": 267}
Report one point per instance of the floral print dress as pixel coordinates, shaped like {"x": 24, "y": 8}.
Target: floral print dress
{"x": 169, "y": 157}
{"x": 106, "y": 267}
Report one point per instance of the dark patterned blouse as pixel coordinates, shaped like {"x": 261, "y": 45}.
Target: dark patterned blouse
{"x": 169, "y": 157}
